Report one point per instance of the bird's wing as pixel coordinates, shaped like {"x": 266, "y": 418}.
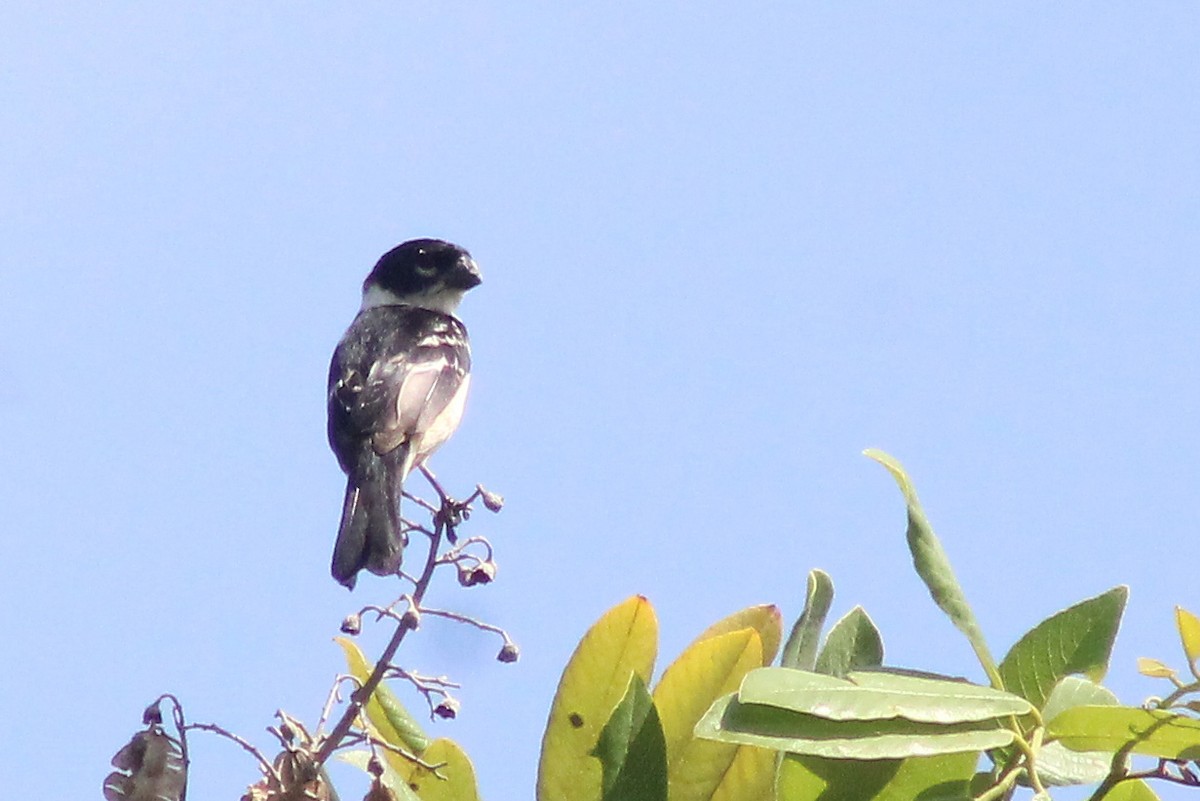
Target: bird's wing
{"x": 416, "y": 375}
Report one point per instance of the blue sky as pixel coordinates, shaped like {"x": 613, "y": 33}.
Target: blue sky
{"x": 725, "y": 249}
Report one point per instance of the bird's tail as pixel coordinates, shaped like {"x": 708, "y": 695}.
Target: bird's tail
{"x": 370, "y": 535}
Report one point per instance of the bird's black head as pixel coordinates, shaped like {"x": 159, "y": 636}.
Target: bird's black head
{"x": 422, "y": 272}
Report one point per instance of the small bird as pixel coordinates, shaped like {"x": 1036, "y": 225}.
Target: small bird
{"x": 397, "y": 384}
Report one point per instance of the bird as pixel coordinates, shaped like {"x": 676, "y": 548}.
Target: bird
{"x": 398, "y": 382}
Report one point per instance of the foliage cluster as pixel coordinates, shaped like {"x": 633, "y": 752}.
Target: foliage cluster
{"x": 831, "y": 723}
{"x": 741, "y": 715}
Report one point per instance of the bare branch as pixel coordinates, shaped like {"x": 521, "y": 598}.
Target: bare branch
{"x": 266, "y": 766}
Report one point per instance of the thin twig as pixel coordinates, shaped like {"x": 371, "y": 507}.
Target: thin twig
{"x": 459, "y": 551}
{"x": 428, "y": 687}
{"x": 453, "y": 512}
{"x": 1117, "y": 772}
{"x": 335, "y": 696}
{"x": 470, "y": 621}
{"x": 1163, "y": 771}
{"x": 419, "y": 501}
{"x": 382, "y": 612}
{"x": 268, "y": 769}
{"x": 181, "y": 728}
{"x": 422, "y": 681}
{"x": 1180, "y": 691}
{"x": 413, "y": 758}
{"x": 1002, "y": 787}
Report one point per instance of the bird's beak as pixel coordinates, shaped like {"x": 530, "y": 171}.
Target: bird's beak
{"x": 465, "y": 275}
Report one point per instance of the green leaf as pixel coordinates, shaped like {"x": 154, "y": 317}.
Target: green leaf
{"x": 1189, "y": 634}
{"x": 631, "y": 749}
{"x": 1058, "y": 765}
{"x": 390, "y": 779}
{"x": 784, "y": 730}
{"x": 621, "y": 643}
{"x": 853, "y": 642}
{"x": 938, "y": 778}
{"x": 1076, "y": 640}
{"x": 1131, "y": 791}
{"x": 391, "y": 720}
{"x": 878, "y": 695}
{"x": 1075, "y": 691}
{"x": 933, "y": 566}
{"x": 454, "y": 779}
{"x": 810, "y": 778}
{"x": 1111, "y": 728}
{"x": 801, "y": 649}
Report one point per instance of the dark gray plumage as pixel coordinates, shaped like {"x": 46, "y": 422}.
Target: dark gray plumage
{"x": 397, "y": 384}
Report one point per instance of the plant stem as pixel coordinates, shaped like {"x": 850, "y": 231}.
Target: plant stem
{"x": 359, "y": 697}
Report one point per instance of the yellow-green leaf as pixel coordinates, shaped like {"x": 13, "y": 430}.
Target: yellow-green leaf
{"x": 393, "y": 723}
{"x": 1057, "y": 765}
{"x": 1154, "y": 733}
{"x": 751, "y": 776}
{"x": 804, "y": 778}
{"x": 457, "y": 782}
{"x": 1154, "y": 668}
{"x": 809, "y": 778}
{"x": 623, "y": 642}
{"x": 1189, "y": 633}
{"x": 765, "y": 619}
{"x": 393, "y": 781}
{"x": 708, "y": 669}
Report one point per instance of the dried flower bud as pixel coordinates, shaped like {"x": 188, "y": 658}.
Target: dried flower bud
{"x": 352, "y": 625}
{"x": 300, "y": 777}
{"x": 379, "y": 792}
{"x": 450, "y": 516}
{"x": 153, "y": 714}
{"x": 492, "y": 501}
{"x": 411, "y": 619}
{"x": 481, "y": 573}
{"x": 259, "y": 791}
{"x": 509, "y": 653}
{"x": 447, "y": 708}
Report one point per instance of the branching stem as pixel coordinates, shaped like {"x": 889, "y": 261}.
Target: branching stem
{"x": 359, "y": 697}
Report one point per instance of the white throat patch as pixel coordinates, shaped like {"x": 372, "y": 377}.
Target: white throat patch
{"x": 440, "y": 298}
